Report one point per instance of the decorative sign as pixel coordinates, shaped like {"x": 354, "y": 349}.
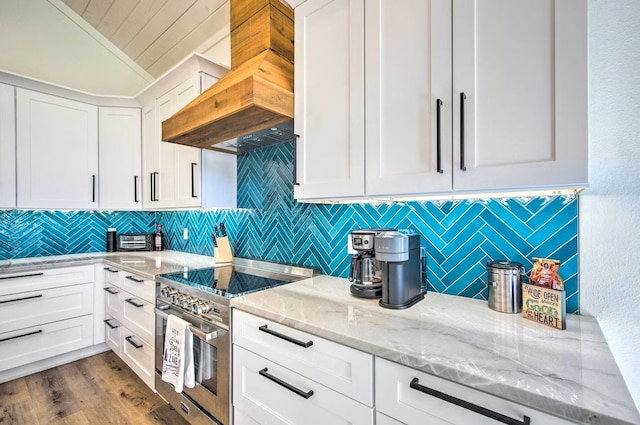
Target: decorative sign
{"x": 544, "y": 305}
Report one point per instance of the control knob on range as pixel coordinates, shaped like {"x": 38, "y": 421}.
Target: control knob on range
{"x": 200, "y": 307}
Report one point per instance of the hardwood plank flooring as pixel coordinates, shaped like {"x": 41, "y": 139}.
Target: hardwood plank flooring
{"x": 97, "y": 390}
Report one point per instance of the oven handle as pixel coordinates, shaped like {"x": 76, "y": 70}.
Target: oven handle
{"x": 205, "y": 336}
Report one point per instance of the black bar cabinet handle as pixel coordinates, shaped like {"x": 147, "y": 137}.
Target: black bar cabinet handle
{"x": 462, "y": 98}
{"x": 134, "y": 279}
{"x": 154, "y": 184}
{"x": 21, "y": 275}
{"x": 39, "y": 331}
{"x": 110, "y": 270}
{"x": 109, "y": 290}
{"x": 130, "y": 301}
{"x": 108, "y": 322}
{"x": 438, "y": 142}
{"x": 193, "y": 179}
{"x": 469, "y": 406}
{"x": 93, "y": 184}
{"x": 265, "y": 328}
{"x": 135, "y": 189}
{"x": 295, "y": 161}
{"x": 288, "y": 386}
{"x": 21, "y": 299}
{"x": 130, "y": 341}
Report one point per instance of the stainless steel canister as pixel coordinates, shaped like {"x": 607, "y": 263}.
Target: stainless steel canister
{"x": 505, "y": 286}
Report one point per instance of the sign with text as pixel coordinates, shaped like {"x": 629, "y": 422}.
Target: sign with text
{"x": 544, "y": 305}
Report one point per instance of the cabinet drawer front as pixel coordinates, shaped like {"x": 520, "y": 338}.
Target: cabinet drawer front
{"x": 16, "y": 282}
{"x": 139, "y": 316}
{"x": 385, "y": 420}
{"x": 340, "y": 368}
{"x": 29, "y": 345}
{"x": 138, "y": 286}
{"x": 112, "y": 332}
{"x": 394, "y": 397}
{"x": 112, "y": 275}
{"x": 138, "y": 355}
{"x": 113, "y": 297}
{"x": 268, "y": 402}
{"x": 27, "y": 309}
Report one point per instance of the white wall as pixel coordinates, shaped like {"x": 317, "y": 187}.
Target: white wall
{"x": 610, "y": 209}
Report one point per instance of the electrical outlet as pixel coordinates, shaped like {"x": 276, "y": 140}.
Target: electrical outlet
{"x": 350, "y": 249}
{"x": 185, "y": 233}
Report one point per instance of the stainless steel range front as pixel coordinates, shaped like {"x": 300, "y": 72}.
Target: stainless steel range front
{"x": 201, "y": 297}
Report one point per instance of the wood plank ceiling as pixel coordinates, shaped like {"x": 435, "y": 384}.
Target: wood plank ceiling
{"x": 156, "y": 34}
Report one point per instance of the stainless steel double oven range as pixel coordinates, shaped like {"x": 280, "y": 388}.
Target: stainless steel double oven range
{"x": 201, "y": 297}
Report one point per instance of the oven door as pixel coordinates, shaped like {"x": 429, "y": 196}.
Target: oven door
{"x": 211, "y": 362}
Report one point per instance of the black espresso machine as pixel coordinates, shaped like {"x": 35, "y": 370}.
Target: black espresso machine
{"x": 386, "y": 266}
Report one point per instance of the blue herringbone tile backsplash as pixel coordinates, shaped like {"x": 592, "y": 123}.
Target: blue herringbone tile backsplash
{"x": 44, "y": 232}
{"x": 457, "y": 237}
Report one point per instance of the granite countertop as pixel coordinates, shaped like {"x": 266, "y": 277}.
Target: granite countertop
{"x": 145, "y": 264}
{"x": 569, "y": 373}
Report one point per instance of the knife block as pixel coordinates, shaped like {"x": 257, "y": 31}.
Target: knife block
{"x": 222, "y": 253}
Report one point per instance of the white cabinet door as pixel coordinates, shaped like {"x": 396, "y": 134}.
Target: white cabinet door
{"x": 408, "y": 97}
{"x": 411, "y": 396}
{"x": 7, "y": 147}
{"x": 150, "y": 155}
{"x": 522, "y": 66}
{"x": 274, "y": 395}
{"x": 329, "y": 101}
{"x": 120, "y": 158}
{"x": 57, "y": 152}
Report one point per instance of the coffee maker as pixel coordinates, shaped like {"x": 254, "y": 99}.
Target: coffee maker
{"x": 399, "y": 257}
{"x": 365, "y": 272}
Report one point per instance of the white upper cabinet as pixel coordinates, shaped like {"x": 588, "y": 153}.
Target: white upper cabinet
{"x": 461, "y": 96}
{"x": 408, "y": 94}
{"x": 57, "y": 152}
{"x": 7, "y": 147}
{"x": 522, "y": 66}
{"x": 175, "y": 175}
{"x": 120, "y": 158}
{"x": 329, "y": 100}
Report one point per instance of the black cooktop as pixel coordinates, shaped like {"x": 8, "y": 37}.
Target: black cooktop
{"x": 227, "y": 281}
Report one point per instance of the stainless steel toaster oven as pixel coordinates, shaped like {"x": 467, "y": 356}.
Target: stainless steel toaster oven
{"x": 135, "y": 242}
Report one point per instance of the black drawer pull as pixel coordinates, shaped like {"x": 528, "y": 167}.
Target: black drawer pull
{"x": 134, "y": 279}
{"x": 288, "y": 386}
{"x": 469, "y": 406}
{"x": 130, "y": 301}
{"x": 110, "y": 270}
{"x": 307, "y": 344}
{"x": 21, "y": 299}
{"x": 108, "y": 322}
{"x": 438, "y": 136}
{"x": 130, "y": 341}
{"x": 21, "y": 275}
{"x": 111, "y": 291}
{"x": 462, "y": 98}
{"x": 39, "y": 331}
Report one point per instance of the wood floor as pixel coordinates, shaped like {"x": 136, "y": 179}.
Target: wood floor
{"x": 97, "y": 390}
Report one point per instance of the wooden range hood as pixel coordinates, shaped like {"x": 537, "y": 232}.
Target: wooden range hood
{"x": 252, "y": 105}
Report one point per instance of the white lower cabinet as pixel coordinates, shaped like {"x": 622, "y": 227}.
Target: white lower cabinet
{"x": 385, "y": 420}
{"x": 412, "y": 397}
{"x": 112, "y": 335}
{"x": 272, "y": 394}
{"x": 286, "y": 376}
{"x": 138, "y": 354}
{"x": 130, "y": 320}
{"x": 45, "y": 313}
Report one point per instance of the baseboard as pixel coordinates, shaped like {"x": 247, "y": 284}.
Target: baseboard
{"x": 39, "y": 366}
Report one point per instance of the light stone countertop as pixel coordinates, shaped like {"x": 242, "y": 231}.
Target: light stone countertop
{"x": 145, "y": 264}
{"x": 569, "y": 373}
